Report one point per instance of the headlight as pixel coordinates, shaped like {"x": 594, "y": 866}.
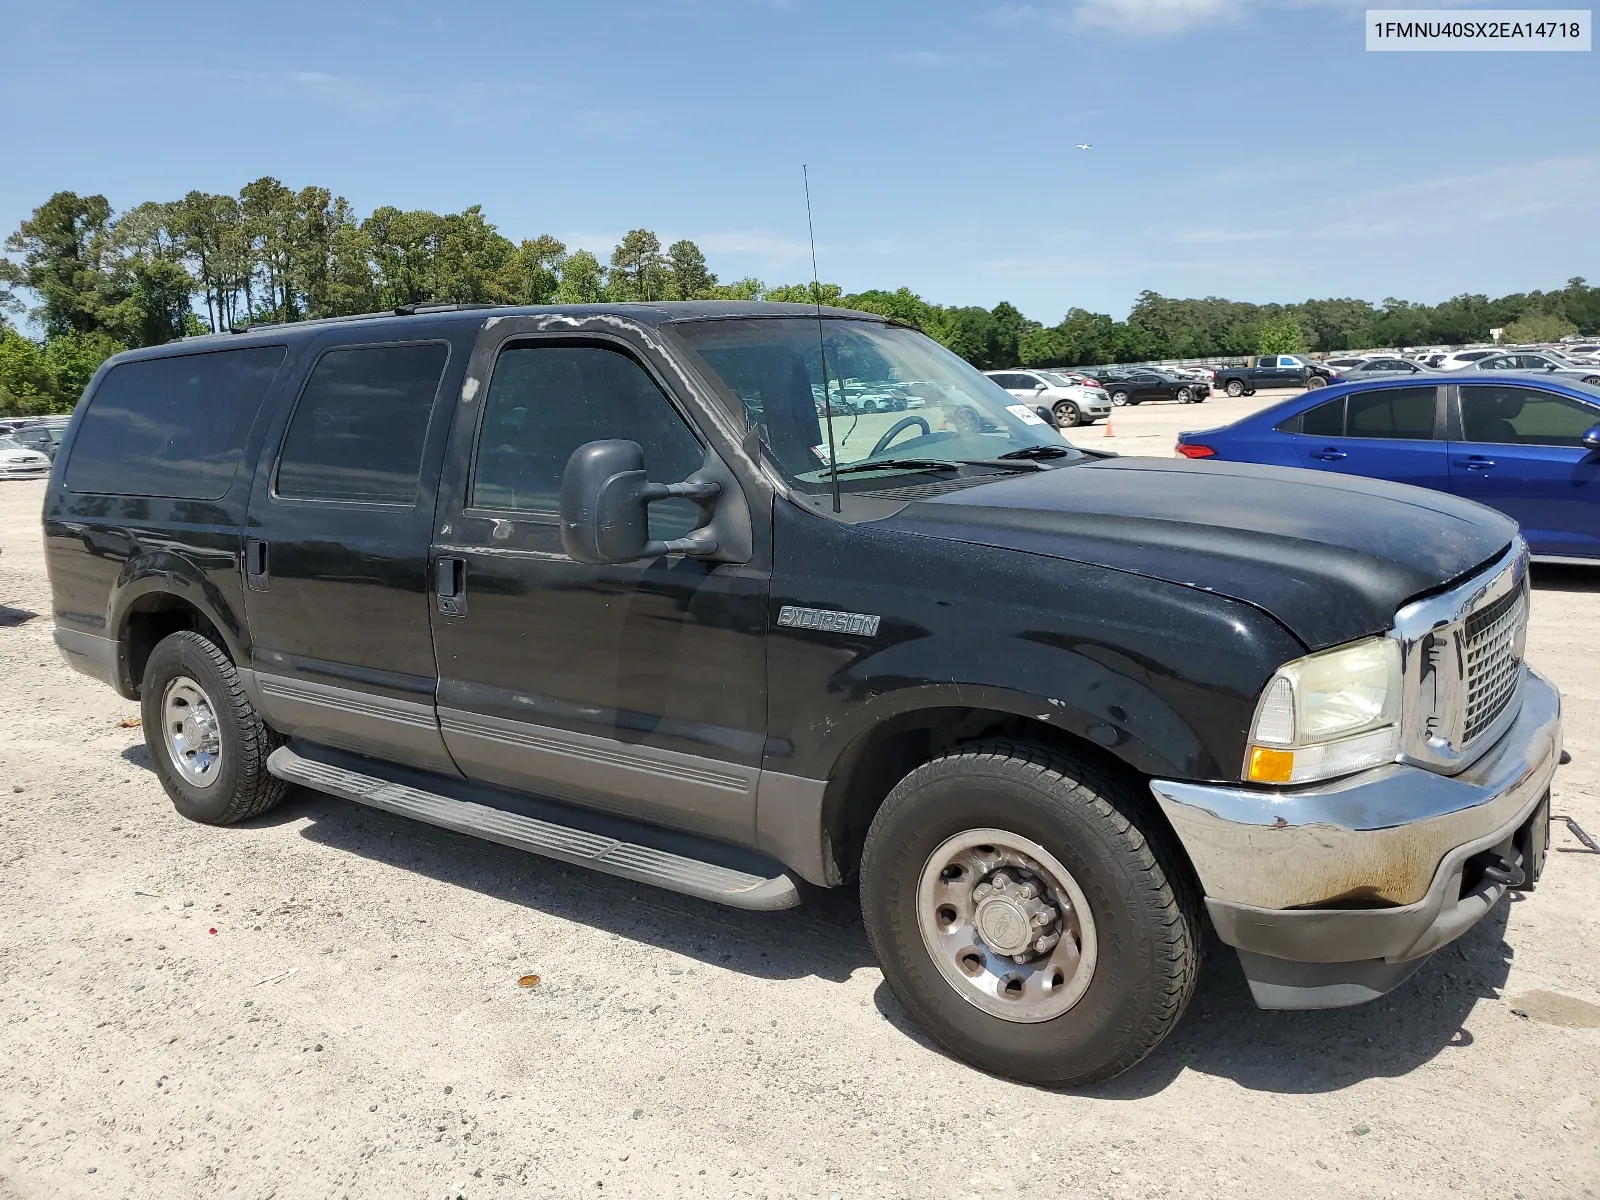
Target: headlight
{"x": 1328, "y": 714}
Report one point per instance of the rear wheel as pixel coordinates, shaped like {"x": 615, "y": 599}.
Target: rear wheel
{"x": 1594, "y": 379}
{"x": 208, "y": 746}
{"x": 1067, "y": 415}
{"x": 1234, "y": 388}
{"x": 1029, "y": 914}
{"x": 1120, "y": 397}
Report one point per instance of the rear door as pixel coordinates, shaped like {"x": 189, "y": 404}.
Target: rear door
{"x": 336, "y": 556}
{"x": 1394, "y": 433}
{"x": 1520, "y": 449}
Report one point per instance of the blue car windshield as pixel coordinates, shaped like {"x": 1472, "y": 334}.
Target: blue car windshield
{"x": 891, "y": 394}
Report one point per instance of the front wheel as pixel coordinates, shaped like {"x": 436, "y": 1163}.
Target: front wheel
{"x": 1594, "y": 379}
{"x": 1185, "y": 396}
{"x": 208, "y": 746}
{"x": 1067, "y": 415}
{"x": 1315, "y": 381}
{"x": 1029, "y": 914}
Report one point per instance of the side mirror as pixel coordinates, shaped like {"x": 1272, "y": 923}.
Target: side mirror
{"x": 1591, "y": 437}
{"x": 1047, "y": 415}
{"x": 1038, "y": 387}
{"x": 605, "y": 507}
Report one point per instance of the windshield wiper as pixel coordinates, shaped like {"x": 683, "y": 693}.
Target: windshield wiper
{"x": 903, "y": 464}
{"x": 1038, "y": 452}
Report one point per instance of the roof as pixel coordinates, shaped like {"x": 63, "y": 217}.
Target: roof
{"x": 393, "y": 322}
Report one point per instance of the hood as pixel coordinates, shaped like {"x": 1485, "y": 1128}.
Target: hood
{"x": 1332, "y": 557}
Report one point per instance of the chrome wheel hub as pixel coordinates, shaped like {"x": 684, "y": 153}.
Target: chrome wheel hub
{"x": 1007, "y": 925}
{"x": 193, "y": 736}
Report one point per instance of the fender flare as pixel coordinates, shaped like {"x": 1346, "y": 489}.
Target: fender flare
{"x": 168, "y": 573}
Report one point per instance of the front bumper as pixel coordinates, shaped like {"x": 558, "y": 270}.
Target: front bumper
{"x": 1335, "y": 893}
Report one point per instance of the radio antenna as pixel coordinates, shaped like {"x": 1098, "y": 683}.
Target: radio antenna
{"x": 816, "y": 295}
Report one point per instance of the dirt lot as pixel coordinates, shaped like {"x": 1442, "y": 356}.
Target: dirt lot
{"x": 324, "y": 1002}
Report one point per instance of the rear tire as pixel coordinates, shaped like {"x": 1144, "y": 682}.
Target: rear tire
{"x": 1138, "y": 943}
{"x": 1234, "y": 388}
{"x": 1119, "y": 398}
{"x": 208, "y": 746}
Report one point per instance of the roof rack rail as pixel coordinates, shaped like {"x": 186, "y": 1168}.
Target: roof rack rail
{"x": 428, "y": 306}
{"x": 402, "y": 310}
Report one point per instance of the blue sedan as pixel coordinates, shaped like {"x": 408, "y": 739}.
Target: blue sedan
{"x": 1525, "y": 444}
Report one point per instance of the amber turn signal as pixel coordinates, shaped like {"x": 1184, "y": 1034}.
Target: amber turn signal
{"x": 1270, "y": 766}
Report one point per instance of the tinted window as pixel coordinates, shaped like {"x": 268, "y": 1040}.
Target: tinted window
{"x": 171, "y": 426}
{"x": 1393, "y": 413}
{"x": 1325, "y": 420}
{"x": 357, "y": 432}
{"x": 546, "y": 401}
{"x": 1525, "y": 416}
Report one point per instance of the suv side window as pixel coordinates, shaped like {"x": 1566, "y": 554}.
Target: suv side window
{"x": 1393, "y": 413}
{"x": 1325, "y": 420}
{"x": 1524, "y": 417}
{"x": 545, "y": 401}
{"x": 171, "y": 426}
{"x": 358, "y": 429}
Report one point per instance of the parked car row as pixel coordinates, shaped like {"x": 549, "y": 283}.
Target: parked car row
{"x": 1071, "y": 399}
{"x": 39, "y": 434}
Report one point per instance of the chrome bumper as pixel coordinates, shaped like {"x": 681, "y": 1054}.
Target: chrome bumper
{"x": 1367, "y": 872}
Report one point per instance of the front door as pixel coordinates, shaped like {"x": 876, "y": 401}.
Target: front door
{"x": 638, "y": 688}
{"x": 336, "y": 556}
{"x": 1386, "y": 433}
{"x": 1521, "y": 450}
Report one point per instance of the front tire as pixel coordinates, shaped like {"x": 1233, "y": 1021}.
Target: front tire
{"x": 1185, "y": 396}
{"x": 1067, "y": 851}
{"x": 1067, "y": 415}
{"x": 1313, "y": 382}
{"x": 208, "y": 746}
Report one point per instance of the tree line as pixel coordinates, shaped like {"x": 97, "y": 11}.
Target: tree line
{"x": 101, "y": 282}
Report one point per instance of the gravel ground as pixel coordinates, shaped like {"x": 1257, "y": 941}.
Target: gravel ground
{"x": 325, "y": 1002}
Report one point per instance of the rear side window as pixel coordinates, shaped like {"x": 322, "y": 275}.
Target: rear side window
{"x": 358, "y": 430}
{"x": 1393, "y": 413}
{"x": 171, "y": 426}
{"x": 1325, "y": 420}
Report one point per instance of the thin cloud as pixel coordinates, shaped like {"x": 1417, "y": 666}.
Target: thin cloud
{"x": 924, "y": 58}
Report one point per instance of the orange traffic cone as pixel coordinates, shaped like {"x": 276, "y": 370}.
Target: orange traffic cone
{"x": 1109, "y": 431}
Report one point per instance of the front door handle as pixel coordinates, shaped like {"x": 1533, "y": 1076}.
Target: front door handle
{"x": 450, "y": 583}
{"x": 1330, "y": 455}
{"x": 1478, "y": 463}
{"x": 255, "y": 564}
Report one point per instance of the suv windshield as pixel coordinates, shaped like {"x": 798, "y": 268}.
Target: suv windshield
{"x": 892, "y": 393}
{"x": 1052, "y": 377}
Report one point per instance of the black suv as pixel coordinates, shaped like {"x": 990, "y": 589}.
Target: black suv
{"x": 601, "y": 583}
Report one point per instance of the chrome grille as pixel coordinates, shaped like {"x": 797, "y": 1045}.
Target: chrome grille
{"x": 1493, "y": 644}
{"x": 1461, "y": 658}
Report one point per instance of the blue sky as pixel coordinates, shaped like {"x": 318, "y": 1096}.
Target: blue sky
{"x": 1242, "y": 148}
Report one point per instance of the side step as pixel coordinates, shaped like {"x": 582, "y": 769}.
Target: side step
{"x": 643, "y": 864}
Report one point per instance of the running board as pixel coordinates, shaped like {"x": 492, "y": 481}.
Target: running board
{"x": 643, "y": 864}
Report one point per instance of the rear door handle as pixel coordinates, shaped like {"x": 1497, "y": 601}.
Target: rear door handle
{"x": 450, "y": 583}
{"x": 1330, "y": 455}
{"x": 255, "y": 564}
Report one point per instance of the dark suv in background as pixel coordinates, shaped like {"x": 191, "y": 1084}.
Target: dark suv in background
{"x": 602, "y": 584}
